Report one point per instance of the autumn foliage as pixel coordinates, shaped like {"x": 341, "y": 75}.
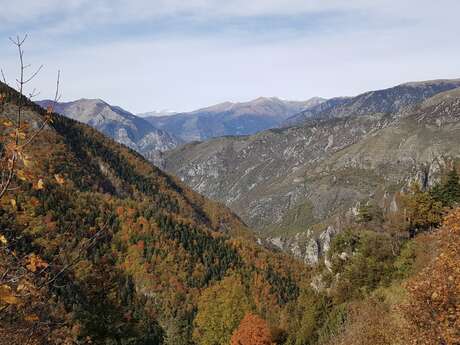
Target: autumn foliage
{"x": 252, "y": 330}
{"x": 97, "y": 246}
{"x": 433, "y": 310}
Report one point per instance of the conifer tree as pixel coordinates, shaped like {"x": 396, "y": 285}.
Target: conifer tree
{"x": 448, "y": 193}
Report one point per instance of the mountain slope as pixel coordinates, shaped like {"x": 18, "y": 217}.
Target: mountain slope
{"x": 122, "y": 126}
{"x": 291, "y": 183}
{"x": 231, "y": 118}
{"x": 387, "y": 101}
{"x": 99, "y": 246}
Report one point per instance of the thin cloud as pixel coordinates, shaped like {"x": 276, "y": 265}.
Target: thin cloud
{"x": 146, "y": 55}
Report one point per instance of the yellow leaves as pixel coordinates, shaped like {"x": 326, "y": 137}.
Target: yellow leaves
{"x": 59, "y": 179}
{"x": 27, "y": 162}
{"x": 20, "y": 134}
{"x": 7, "y": 123}
{"x": 24, "y": 175}
{"x": 21, "y": 175}
{"x": 34, "y": 262}
{"x": 13, "y": 203}
{"x": 21, "y": 287}
{"x": 7, "y": 296}
{"x": 31, "y": 317}
{"x": 3, "y": 240}
{"x": 39, "y": 185}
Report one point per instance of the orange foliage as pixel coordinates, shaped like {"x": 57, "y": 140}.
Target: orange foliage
{"x": 34, "y": 262}
{"x": 252, "y": 330}
{"x": 433, "y": 310}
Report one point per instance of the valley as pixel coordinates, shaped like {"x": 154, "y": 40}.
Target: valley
{"x": 299, "y": 183}
{"x": 328, "y": 221}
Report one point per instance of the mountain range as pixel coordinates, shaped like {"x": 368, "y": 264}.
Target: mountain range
{"x": 231, "y": 119}
{"x": 119, "y": 124}
{"x": 387, "y": 101}
{"x": 152, "y": 133}
{"x": 295, "y": 185}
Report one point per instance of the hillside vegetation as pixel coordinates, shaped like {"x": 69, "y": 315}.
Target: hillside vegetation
{"x": 97, "y": 246}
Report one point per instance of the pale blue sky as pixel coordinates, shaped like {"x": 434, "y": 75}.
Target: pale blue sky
{"x": 182, "y": 55}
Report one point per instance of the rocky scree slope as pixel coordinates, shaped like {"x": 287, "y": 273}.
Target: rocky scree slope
{"x": 296, "y": 184}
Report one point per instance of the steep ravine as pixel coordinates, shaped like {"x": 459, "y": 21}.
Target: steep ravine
{"x": 293, "y": 184}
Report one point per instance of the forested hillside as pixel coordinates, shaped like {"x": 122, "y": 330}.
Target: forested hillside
{"x": 97, "y": 246}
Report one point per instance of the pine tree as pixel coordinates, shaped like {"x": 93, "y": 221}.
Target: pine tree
{"x": 423, "y": 212}
{"x": 448, "y": 193}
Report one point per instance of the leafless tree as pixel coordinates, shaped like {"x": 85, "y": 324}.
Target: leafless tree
{"x": 16, "y": 134}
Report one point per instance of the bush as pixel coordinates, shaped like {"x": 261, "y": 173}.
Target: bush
{"x": 364, "y": 260}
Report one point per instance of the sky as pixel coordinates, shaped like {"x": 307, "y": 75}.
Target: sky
{"x": 181, "y": 55}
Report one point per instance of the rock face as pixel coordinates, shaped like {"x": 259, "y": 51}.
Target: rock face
{"x": 122, "y": 126}
{"x": 231, "y": 118}
{"x": 291, "y": 183}
{"x": 307, "y": 246}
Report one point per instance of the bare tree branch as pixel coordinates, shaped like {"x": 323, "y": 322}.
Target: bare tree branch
{"x": 3, "y": 77}
{"x": 33, "y": 75}
{"x": 12, "y": 154}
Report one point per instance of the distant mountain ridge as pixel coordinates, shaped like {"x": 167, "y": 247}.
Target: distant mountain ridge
{"x": 386, "y": 101}
{"x": 119, "y": 124}
{"x": 157, "y": 113}
{"x": 229, "y": 118}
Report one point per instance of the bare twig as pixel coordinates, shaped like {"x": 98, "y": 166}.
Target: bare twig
{"x": 46, "y": 121}
{"x": 33, "y": 75}
{"x": 19, "y": 142}
{"x": 3, "y": 77}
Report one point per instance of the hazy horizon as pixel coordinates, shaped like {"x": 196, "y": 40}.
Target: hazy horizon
{"x": 146, "y": 56}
